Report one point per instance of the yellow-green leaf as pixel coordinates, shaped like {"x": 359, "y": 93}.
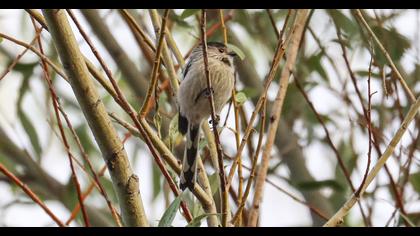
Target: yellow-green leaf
{"x": 237, "y": 50}
{"x": 170, "y": 213}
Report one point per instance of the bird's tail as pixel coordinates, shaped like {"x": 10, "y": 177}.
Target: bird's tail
{"x": 189, "y": 163}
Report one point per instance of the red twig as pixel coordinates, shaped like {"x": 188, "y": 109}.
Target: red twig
{"x": 212, "y": 29}
{"x": 16, "y": 60}
{"x": 31, "y": 194}
{"x": 369, "y": 121}
{"x": 213, "y": 118}
{"x": 60, "y": 126}
{"x": 376, "y": 138}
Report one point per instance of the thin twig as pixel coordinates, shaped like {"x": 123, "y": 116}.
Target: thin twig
{"x": 166, "y": 57}
{"x": 16, "y": 60}
{"x": 31, "y": 194}
{"x": 36, "y": 51}
{"x": 254, "y": 165}
{"x": 338, "y": 217}
{"x": 388, "y": 58}
{"x": 369, "y": 121}
{"x": 211, "y": 30}
{"x": 84, "y": 196}
{"x": 63, "y": 135}
{"x": 224, "y": 204}
{"x": 273, "y": 22}
{"x": 96, "y": 178}
{"x": 156, "y": 66}
{"x": 125, "y": 105}
{"x": 366, "y": 116}
{"x": 236, "y": 113}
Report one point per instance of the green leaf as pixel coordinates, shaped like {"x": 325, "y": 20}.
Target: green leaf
{"x": 188, "y": 12}
{"x": 203, "y": 142}
{"x": 25, "y": 121}
{"x": 30, "y": 131}
{"x": 250, "y": 92}
{"x": 173, "y": 131}
{"x": 26, "y": 69}
{"x": 238, "y": 51}
{"x": 156, "y": 177}
{"x": 1, "y": 39}
{"x": 315, "y": 185}
{"x": 109, "y": 188}
{"x": 169, "y": 215}
{"x": 415, "y": 181}
{"x": 240, "y": 98}
{"x": 342, "y": 21}
{"x": 410, "y": 223}
{"x": 314, "y": 63}
{"x": 214, "y": 182}
{"x": 196, "y": 209}
{"x": 395, "y": 43}
{"x": 85, "y": 140}
{"x": 196, "y": 222}
{"x": 364, "y": 73}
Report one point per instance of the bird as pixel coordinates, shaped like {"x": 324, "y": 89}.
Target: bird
{"x": 193, "y": 102}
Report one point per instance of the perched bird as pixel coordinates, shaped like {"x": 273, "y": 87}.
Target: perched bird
{"x": 193, "y": 102}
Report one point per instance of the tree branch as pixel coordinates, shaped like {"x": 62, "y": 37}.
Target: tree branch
{"x": 124, "y": 180}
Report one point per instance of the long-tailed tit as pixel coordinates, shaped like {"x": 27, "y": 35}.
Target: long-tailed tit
{"x": 194, "y": 106}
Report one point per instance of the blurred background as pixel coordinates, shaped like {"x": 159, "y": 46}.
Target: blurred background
{"x": 335, "y": 59}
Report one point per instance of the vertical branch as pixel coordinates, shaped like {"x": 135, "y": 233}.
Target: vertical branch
{"x": 296, "y": 37}
{"x": 242, "y": 201}
{"x": 156, "y": 65}
{"x": 96, "y": 178}
{"x": 279, "y": 53}
{"x": 124, "y": 180}
{"x": 236, "y": 113}
{"x": 126, "y": 106}
{"x": 369, "y": 123}
{"x": 223, "y": 27}
{"x": 213, "y": 117}
{"x": 166, "y": 56}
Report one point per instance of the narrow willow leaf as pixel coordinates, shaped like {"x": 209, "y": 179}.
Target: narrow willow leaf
{"x": 203, "y": 142}
{"x": 238, "y": 51}
{"x": 345, "y": 23}
{"x": 214, "y": 182}
{"x": 250, "y": 92}
{"x": 170, "y": 213}
{"x": 24, "y": 119}
{"x": 156, "y": 179}
{"x": 188, "y": 12}
{"x": 196, "y": 222}
{"x": 415, "y": 181}
{"x": 315, "y": 185}
{"x": 173, "y": 131}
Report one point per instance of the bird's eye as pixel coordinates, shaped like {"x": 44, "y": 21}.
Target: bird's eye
{"x": 221, "y": 50}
